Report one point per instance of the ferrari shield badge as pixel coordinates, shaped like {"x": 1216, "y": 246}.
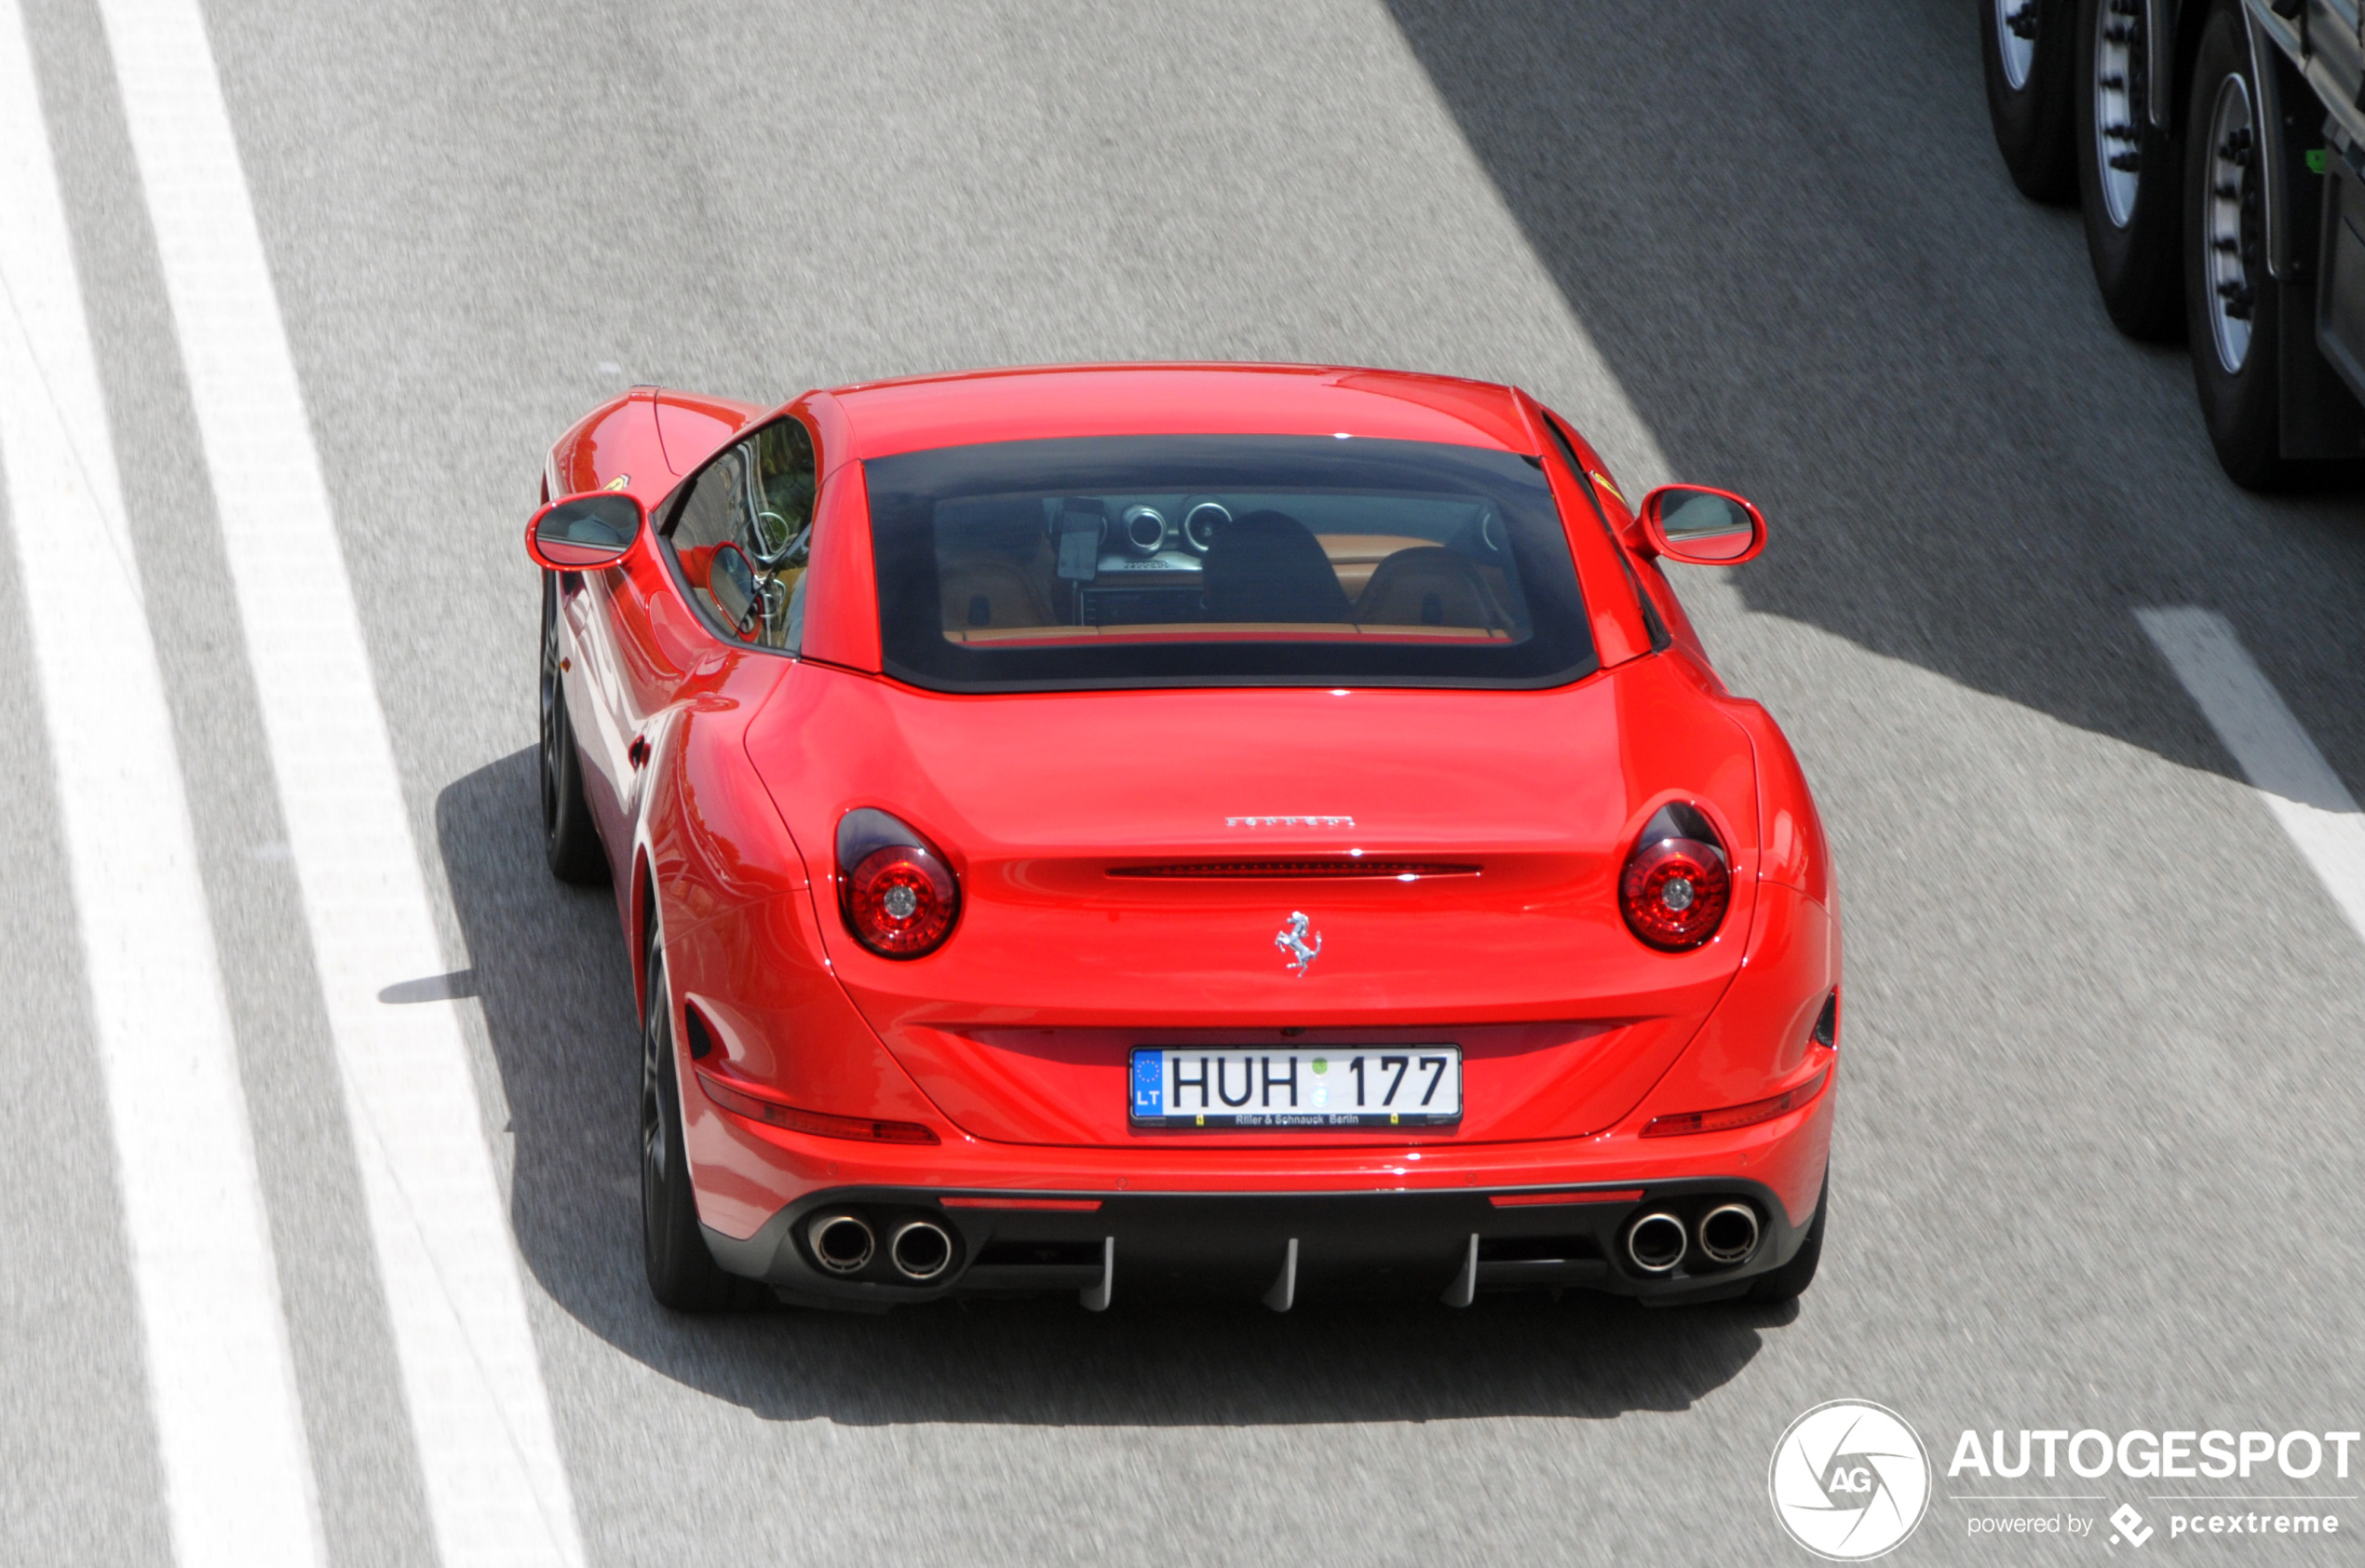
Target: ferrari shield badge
{"x": 1290, "y": 939}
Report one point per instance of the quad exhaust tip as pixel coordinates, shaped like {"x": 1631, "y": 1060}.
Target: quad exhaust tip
{"x": 842, "y": 1242}
{"x": 1656, "y": 1242}
{"x": 1728, "y": 1232}
{"x": 920, "y": 1250}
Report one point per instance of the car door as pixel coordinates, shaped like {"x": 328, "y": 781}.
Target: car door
{"x": 728, "y": 568}
{"x": 590, "y": 683}
{"x": 655, "y": 643}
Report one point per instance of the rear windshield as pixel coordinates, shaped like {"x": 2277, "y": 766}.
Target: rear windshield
{"x": 1195, "y": 560}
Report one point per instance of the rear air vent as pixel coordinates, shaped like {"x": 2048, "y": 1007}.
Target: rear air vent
{"x": 701, "y": 1033}
{"x": 1537, "y": 1249}
{"x": 1272, "y": 871}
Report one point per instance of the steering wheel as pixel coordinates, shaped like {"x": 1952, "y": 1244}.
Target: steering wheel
{"x": 771, "y": 525}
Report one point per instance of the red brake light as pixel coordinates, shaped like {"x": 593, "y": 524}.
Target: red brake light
{"x": 1564, "y": 1199}
{"x": 1732, "y": 1116}
{"x": 897, "y": 896}
{"x": 819, "y": 1124}
{"x": 1676, "y": 885}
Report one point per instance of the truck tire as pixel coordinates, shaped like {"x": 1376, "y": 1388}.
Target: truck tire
{"x": 2029, "y": 49}
{"x": 2232, "y": 307}
{"x": 2129, "y": 175}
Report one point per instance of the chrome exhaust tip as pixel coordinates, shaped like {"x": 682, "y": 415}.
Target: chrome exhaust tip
{"x": 1656, "y": 1242}
{"x": 841, "y": 1242}
{"x": 1728, "y": 1232}
{"x": 920, "y": 1250}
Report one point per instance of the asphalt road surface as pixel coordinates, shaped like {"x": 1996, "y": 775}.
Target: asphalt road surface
{"x": 2096, "y": 1164}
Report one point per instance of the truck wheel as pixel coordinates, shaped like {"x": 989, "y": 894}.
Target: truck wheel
{"x": 2232, "y": 307}
{"x": 2028, "y": 48}
{"x": 2130, "y": 176}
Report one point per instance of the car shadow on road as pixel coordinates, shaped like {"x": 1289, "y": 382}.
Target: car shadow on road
{"x": 1789, "y": 235}
{"x": 549, "y": 969}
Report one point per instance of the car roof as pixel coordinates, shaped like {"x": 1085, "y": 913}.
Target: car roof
{"x": 913, "y": 414}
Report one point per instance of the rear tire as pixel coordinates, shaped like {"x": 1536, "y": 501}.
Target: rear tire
{"x": 569, "y": 843}
{"x": 2029, "y": 90}
{"x": 682, "y": 1270}
{"x": 2133, "y": 233}
{"x": 1790, "y": 1281}
{"x": 2232, "y": 309}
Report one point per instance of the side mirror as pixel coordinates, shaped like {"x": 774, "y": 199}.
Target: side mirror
{"x": 1701, "y": 527}
{"x": 583, "y": 532}
{"x": 730, "y": 581}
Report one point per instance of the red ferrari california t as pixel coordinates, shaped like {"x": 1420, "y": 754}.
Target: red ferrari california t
{"x": 1265, "y": 831}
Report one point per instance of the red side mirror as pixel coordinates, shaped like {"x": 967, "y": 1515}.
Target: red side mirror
{"x": 1701, "y": 527}
{"x": 583, "y": 532}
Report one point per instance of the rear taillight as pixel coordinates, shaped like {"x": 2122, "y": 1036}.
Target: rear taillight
{"x": 1676, "y": 885}
{"x": 1731, "y": 1117}
{"x": 895, "y": 891}
{"x": 819, "y": 1124}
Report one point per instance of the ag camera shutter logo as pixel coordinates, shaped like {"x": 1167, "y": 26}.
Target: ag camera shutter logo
{"x": 1849, "y": 1480}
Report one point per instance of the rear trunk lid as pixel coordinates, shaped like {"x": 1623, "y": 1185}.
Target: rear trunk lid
{"x": 1133, "y": 863}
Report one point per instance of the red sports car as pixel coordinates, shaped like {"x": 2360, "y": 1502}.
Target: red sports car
{"x": 1252, "y": 829}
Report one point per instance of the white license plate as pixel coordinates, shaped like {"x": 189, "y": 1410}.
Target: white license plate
{"x": 1324, "y": 1086}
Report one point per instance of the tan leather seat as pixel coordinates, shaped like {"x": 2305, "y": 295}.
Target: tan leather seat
{"x": 1268, "y": 566}
{"x": 1430, "y": 586}
{"x": 991, "y": 593}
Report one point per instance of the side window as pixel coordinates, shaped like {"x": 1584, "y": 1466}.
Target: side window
{"x": 741, "y": 534}
{"x": 783, "y": 486}
{"x": 1651, "y": 622}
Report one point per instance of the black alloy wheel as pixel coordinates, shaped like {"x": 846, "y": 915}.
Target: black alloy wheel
{"x": 2028, "y": 50}
{"x": 569, "y": 843}
{"x": 2131, "y": 181}
{"x": 682, "y": 1270}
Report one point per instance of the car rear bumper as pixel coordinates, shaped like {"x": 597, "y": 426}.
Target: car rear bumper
{"x": 1363, "y": 1221}
{"x": 1281, "y": 1248}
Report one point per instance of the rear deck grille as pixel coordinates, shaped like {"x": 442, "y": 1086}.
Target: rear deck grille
{"x": 1252, "y": 871}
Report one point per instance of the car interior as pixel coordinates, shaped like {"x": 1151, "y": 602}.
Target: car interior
{"x": 742, "y": 534}
{"x": 1323, "y": 564}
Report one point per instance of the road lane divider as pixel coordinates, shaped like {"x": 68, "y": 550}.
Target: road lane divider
{"x": 220, "y": 1380}
{"x": 2307, "y": 798}
{"x": 496, "y": 1488}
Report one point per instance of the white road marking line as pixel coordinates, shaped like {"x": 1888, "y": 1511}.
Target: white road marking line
{"x": 237, "y": 1468}
{"x": 2282, "y": 764}
{"x": 488, "y": 1450}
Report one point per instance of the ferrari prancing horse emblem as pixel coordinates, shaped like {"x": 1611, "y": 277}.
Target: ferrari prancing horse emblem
{"x": 1290, "y": 939}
